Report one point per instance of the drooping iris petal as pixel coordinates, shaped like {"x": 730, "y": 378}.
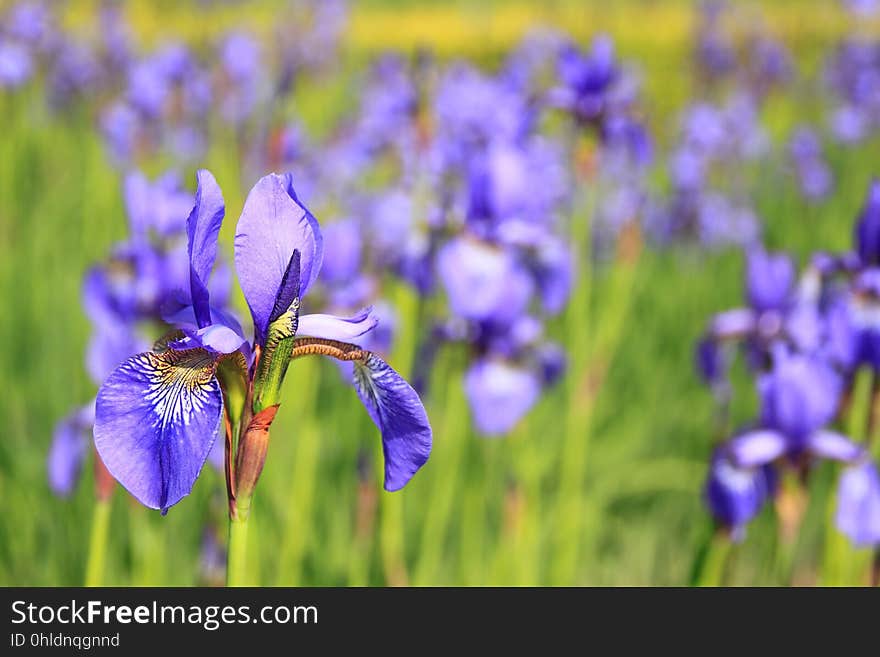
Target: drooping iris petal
{"x": 202, "y": 228}
{"x": 500, "y": 394}
{"x": 832, "y": 445}
{"x": 272, "y": 225}
{"x": 858, "y": 504}
{"x": 712, "y": 361}
{"x": 398, "y": 412}
{"x": 757, "y": 448}
{"x": 156, "y": 420}
{"x": 735, "y": 495}
{"x": 68, "y": 450}
{"x": 337, "y": 328}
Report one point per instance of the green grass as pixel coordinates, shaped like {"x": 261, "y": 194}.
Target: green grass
{"x": 600, "y": 484}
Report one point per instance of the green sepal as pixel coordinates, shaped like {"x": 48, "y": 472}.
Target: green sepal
{"x": 275, "y": 358}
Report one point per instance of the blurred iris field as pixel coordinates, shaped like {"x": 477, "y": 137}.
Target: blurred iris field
{"x": 600, "y": 483}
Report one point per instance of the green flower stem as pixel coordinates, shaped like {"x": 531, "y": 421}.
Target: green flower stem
{"x": 98, "y": 543}
{"x": 236, "y": 558}
{"x": 448, "y": 454}
{"x": 574, "y": 448}
{"x": 713, "y": 566}
{"x": 299, "y": 517}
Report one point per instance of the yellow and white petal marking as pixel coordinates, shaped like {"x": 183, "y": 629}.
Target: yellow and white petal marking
{"x": 156, "y": 418}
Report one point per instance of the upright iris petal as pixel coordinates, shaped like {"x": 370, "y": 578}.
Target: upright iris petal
{"x": 272, "y": 226}
{"x": 202, "y": 227}
{"x": 799, "y": 396}
{"x": 156, "y": 419}
{"x": 398, "y": 412}
{"x": 769, "y": 279}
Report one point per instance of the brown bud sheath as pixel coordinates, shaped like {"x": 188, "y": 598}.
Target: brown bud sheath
{"x": 104, "y": 481}
{"x": 251, "y": 457}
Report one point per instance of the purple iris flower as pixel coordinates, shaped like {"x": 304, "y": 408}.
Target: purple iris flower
{"x": 587, "y": 78}
{"x": 779, "y": 311}
{"x": 849, "y": 124}
{"x": 813, "y": 173}
{"x": 799, "y": 397}
{"x": 483, "y": 281}
{"x": 240, "y": 57}
{"x": 16, "y": 65}
{"x": 75, "y": 73}
{"x": 158, "y": 414}
{"x": 161, "y": 205}
{"x": 343, "y": 251}
{"x": 121, "y": 127}
{"x": 858, "y": 504}
{"x": 149, "y": 87}
{"x": 715, "y": 53}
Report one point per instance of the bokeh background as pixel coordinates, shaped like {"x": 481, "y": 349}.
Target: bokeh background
{"x": 600, "y": 483}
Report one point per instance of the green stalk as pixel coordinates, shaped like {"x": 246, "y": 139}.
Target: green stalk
{"x": 303, "y": 483}
{"x": 448, "y": 453}
{"x": 713, "y": 562}
{"x": 574, "y": 448}
{"x": 98, "y": 543}
{"x": 236, "y": 558}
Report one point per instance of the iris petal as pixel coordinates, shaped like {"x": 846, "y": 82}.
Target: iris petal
{"x": 272, "y": 225}
{"x": 398, "y": 412}
{"x": 858, "y": 504}
{"x": 499, "y": 395}
{"x": 156, "y": 419}
{"x": 202, "y": 227}
{"x": 337, "y": 328}
{"x": 832, "y": 445}
{"x": 68, "y": 450}
{"x": 757, "y": 448}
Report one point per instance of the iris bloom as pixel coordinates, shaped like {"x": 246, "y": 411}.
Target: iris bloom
{"x": 159, "y": 414}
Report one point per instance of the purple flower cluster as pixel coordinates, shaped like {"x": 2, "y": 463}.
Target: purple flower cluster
{"x": 814, "y": 176}
{"x": 758, "y": 62}
{"x": 704, "y": 205}
{"x": 852, "y": 75}
{"x": 159, "y": 102}
{"x": 805, "y": 340}
{"x": 450, "y": 179}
